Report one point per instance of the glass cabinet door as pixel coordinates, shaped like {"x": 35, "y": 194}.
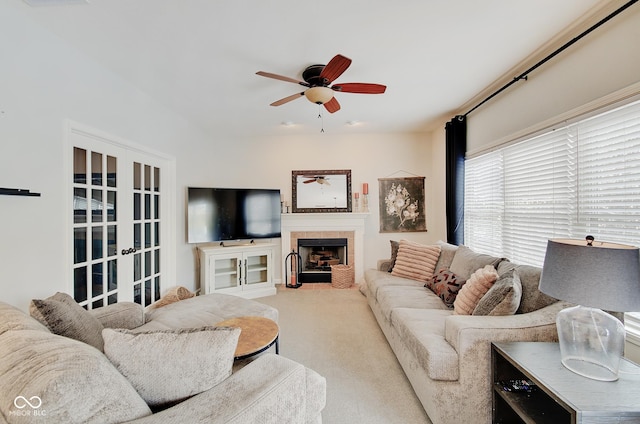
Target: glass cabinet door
{"x": 225, "y": 272}
{"x": 257, "y": 266}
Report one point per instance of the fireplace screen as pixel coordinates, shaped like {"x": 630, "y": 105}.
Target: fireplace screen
{"x": 317, "y": 257}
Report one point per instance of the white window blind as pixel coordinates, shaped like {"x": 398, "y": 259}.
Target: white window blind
{"x": 581, "y": 179}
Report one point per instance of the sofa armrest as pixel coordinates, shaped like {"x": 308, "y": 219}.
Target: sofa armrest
{"x": 127, "y": 315}
{"x": 471, "y": 337}
{"x": 383, "y": 264}
{"x": 271, "y": 389}
{"x": 538, "y": 325}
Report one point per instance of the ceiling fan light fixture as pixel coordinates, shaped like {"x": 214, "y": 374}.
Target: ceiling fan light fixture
{"x": 319, "y": 95}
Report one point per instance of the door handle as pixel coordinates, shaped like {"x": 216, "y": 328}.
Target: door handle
{"x": 128, "y": 251}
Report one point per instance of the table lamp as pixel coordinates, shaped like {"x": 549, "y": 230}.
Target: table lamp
{"x": 593, "y": 275}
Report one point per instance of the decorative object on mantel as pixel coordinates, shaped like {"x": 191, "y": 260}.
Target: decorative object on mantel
{"x": 592, "y": 274}
{"x": 321, "y": 191}
{"x": 402, "y": 207}
{"x": 356, "y": 202}
{"x": 365, "y": 198}
{"x": 17, "y": 192}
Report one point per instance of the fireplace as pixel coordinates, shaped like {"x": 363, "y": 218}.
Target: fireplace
{"x": 327, "y": 225}
{"x": 318, "y": 255}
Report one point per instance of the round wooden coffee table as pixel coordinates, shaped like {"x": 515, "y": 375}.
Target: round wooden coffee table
{"x": 258, "y": 334}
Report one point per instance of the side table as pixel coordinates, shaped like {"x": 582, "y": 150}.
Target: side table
{"x": 258, "y": 334}
{"x": 559, "y": 395}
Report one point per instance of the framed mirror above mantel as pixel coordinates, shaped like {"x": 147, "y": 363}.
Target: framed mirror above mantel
{"x": 321, "y": 191}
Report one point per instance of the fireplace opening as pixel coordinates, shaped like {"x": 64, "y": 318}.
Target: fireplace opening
{"x": 318, "y": 254}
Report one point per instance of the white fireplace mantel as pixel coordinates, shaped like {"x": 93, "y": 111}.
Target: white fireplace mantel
{"x": 293, "y": 222}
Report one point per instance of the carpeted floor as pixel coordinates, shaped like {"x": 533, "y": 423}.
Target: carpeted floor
{"x": 334, "y": 332}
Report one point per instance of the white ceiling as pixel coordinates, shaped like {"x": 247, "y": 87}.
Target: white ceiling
{"x": 199, "y": 57}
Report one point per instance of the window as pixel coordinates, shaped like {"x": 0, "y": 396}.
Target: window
{"x": 580, "y": 179}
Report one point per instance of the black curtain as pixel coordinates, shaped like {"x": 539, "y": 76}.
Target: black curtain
{"x": 456, "y": 146}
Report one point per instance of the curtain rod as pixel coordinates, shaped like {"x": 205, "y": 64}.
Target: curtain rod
{"x": 525, "y": 74}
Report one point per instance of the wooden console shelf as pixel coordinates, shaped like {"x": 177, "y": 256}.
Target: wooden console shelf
{"x": 559, "y": 395}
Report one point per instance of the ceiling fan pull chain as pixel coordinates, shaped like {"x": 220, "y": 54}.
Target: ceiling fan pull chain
{"x": 321, "y": 117}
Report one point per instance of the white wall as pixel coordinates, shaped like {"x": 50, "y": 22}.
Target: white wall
{"x": 603, "y": 62}
{"x": 267, "y": 163}
{"x": 44, "y": 82}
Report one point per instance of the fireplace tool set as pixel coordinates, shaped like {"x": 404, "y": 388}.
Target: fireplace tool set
{"x": 292, "y": 265}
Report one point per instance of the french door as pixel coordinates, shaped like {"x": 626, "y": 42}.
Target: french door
{"x": 118, "y": 204}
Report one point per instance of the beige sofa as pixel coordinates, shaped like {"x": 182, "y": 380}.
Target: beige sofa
{"x": 46, "y": 377}
{"x": 445, "y": 356}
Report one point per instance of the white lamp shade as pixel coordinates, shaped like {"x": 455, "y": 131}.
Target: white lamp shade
{"x": 604, "y": 275}
{"x": 319, "y": 95}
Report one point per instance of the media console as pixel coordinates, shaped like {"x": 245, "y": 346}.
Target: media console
{"x": 244, "y": 270}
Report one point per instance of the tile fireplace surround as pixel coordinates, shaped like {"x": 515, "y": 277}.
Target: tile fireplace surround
{"x": 327, "y": 225}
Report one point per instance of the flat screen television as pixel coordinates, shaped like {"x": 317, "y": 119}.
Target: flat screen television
{"x": 219, "y": 214}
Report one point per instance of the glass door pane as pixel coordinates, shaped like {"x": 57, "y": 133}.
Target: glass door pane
{"x": 95, "y": 280}
{"x": 147, "y": 276}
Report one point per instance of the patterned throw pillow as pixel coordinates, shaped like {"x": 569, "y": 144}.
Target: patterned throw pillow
{"x": 476, "y": 286}
{"x": 445, "y": 284}
{"x": 416, "y": 261}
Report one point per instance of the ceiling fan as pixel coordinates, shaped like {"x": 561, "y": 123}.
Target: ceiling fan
{"x": 315, "y": 179}
{"x": 318, "y": 79}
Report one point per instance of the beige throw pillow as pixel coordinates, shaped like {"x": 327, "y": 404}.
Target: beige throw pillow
{"x": 75, "y": 382}
{"x": 167, "y": 366}
{"x": 63, "y": 316}
{"x": 503, "y": 298}
{"x": 476, "y": 286}
{"x": 416, "y": 261}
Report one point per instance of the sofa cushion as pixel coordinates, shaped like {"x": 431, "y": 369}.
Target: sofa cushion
{"x": 446, "y": 285}
{"x": 447, "y": 253}
{"x": 168, "y": 366}
{"x": 532, "y": 298}
{"x": 503, "y": 298}
{"x": 377, "y": 279}
{"x": 75, "y": 382}
{"x": 423, "y": 333}
{"x": 390, "y": 298}
{"x": 15, "y": 319}
{"x": 63, "y": 316}
{"x": 202, "y": 311}
{"x": 120, "y": 315}
{"x": 465, "y": 262}
{"x": 416, "y": 261}
{"x": 476, "y": 286}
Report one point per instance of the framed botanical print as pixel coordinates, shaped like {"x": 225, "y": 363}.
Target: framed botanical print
{"x": 402, "y": 207}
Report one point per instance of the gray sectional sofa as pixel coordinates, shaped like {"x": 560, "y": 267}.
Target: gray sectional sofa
{"x": 446, "y": 356}
{"x": 46, "y": 377}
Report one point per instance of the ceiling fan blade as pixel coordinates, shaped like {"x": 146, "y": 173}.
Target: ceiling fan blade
{"x": 360, "y": 87}
{"x": 287, "y": 99}
{"x": 281, "y": 78}
{"x": 332, "y": 105}
{"x": 335, "y": 68}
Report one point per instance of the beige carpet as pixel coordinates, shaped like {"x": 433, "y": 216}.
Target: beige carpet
{"x": 334, "y": 332}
